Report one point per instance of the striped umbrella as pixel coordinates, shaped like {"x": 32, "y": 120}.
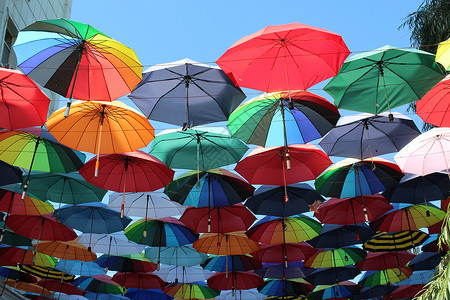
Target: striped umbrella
{"x": 395, "y": 241}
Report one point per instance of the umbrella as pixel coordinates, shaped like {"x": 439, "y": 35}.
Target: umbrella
{"x": 275, "y": 119}
{"x": 427, "y": 153}
{"x": 384, "y": 78}
{"x": 284, "y": 230}
{"x": 76, "y": 60}
{"x": 217, "y": 187}
{"x": 395, "y": 241}
{"x": 9, "y": 174}
{"x": 150, "y": 294}
{"x": 338, "y": 236}
{"x": 77, "y": 267}
{"x": 408, "y": 291}
{"x": 332, "y": 275}
{"x": 28, "y": 287}
{"x": 285, "y": 288}
{"x": 192, "y": 290}
{"x": 186, "y": 274}
{"x": 200, "y": 148}
{"x": 194, "y": 93}
{"x": 426, "y": 261}
{"x": 10, "y": 238}
{"x": 388, "y": 276}
{"x": 11, "y": 256}
{"x": 98, "y": 284}
{"x": 289, "y": 252}
{"x": 350, "y": 210}
{"x": 235, "y": 281}
{"x": 112, "y": 244}
{"x": 232, "y": 263}
{"x": 375, "y": 291}
{"x": 131, "y": 263}
{"x": 284, "y": 57}
{"x": 331, "y": 258}
{"x": 139, "y": 280}
{"x": 384, "y": 260}
{"x": 334, "y": 291}
{"x": 16, "y": 275}
{"x": 365, "y": 135}
{"x": 12, "y": 203}
{"x": 271, "y": 200}
{"x": 175, "y": 256}
{"x": 61, "y": 287}
{"x": 47, "y": 272}
{"x": 147, "y": 205}
{"x": 433, "y": 107}
{"x": 130, "y": 171}
{"x": 283, "y": 271}
{"x": 70, "y": 250}
{"x": 235, "y": 243}
{"x": 418, "y": 277}
{"x": 22, "y": 103}
{"x": 221, "y": 219}
{"x": 253, "y": 294}
{"x": 442, "y": 54}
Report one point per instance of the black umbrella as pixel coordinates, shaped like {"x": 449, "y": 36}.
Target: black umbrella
{"x": 334, "y": 275}
{"x": 338, "y": 236}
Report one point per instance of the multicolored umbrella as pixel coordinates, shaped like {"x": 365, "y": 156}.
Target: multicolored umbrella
{"x": 433, "y": 107}
{"x": 11, "y": 256}
{"x": 139, "y": 280}
{"x": 284, "y": 57}
{"x": 176, "y": 256}
{"x": 76, "y": 60}
{"x": 235, "y": 243}
{"x": 17, "y": 275}
{"x": 12, "y": 203}
{"x": 332, "y": 275}
{"x": 285, "y": 252}
{"x": 193, "y": 290}
{"x": 336, "y": 291}
{"x": 231, "y": 263}
{"x": 395, "y": 241}
{"x": 285, "y": 288}
{"x": 47, "y": 272}
{"x": 376, "y": 261}
{"x": 285, "y": 118}
{"x": 373, "y": 278}
{"x": 131, "y": 263}
{"x": 335, "y": 258}
{"x": 235, "y": 281}
{"x": 98, "y": 284}
{"x": 384, "y": 78}
{"x": 193, "y": 92}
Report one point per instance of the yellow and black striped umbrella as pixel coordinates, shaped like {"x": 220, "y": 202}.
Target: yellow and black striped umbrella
{"x": 395, "y": 241}
{"x": 45, "y": 272}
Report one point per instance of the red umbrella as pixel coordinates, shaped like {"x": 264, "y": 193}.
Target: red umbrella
{"x": 61, "y": 287}
{"x": 284, "y": 57}
{"x": 128, "y": 172}
{"x": 436, "y": 228}
{"x": 384, "y": 260}
{"x": 268, "y": 166}
{"x": 139, "y": 280}
{"x": 434, "y": 108}
{"x": 407, "y": 292}
{"x": 13, "y": 203}
{"x": 22, "y": 103}
{"x": 220, "y": 219}
{"x": 348, "y": 211}
{"x": 293, "y": 252}
{"x": 235, "y": 281}
{"x": 11, "y": 256}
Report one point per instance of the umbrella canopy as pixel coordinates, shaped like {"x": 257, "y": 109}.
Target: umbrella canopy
{"x": 66, "y": 250}
{"x": 9, "y": 174}
{"x": 271, "y": 200}
{"x": 284, "y": 57}
{"x": 352, "y": 177}
{"x": 22, "y": 103}
{"x": 284, "y": 118}
{"x": 375, "y": 291}
{"x": 139, "y": 280}
{"x": 366, "y": 135}
{"x": 283, "y": 271}
{"x": 183, "y": 274}
{"x": 336, "y": 258}
{"x": 235, "y": 243}
{"x": 235, "y": 281}
{"x": 334, "y": 291}
{"x": 130, "y": 263}
{"x": 10, "y": 238}
{"x": 433, "y": 107}
{"x": 176, "y": 256}
{"x": 395, "y": 241}
{"x": 384, "y": 260}
{"x": 338, "y": 236}
{"x": 285, "y": 288}
{"x": 194, "y": 93}
{"x": 98, "y": 284}
{"x": 289, "y": 252}
{"x": 332, "y": 275}
{"x": 373, "y": 278}
{"x": 76, "y": 60}
{"x": 61, "y": 287}
{"x": 77, "y": 267}
{"x": 221, "y": 219}
{"x": 47, "y": 272}
{"x": 17, "y": 275}
{"x": 408, "y": 291}
{"x": 384, "y": 78}
{"x": 200, "y": 148}
{"x": 12, "y": 203}
{"x": 194, "y": 290}
{"x": 151, "y": 294}
{"x": 418, "y": 277}
{"x": 427, "y": 153}
{"x": 253, "y": 294}
{"x": 11, "y": 256}
{"x": 426, "y": 261}
{"x": 442, "y": 54}
{"x": 232, "y": 263}
{"x": 217, "y": 187}
{"x": 268, "y": 165}
{"x": 28, "y": 287}
{"x": 350, "y": 210}
{"x": 112, "y": 244}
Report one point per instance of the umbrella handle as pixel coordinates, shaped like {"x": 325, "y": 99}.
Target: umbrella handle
{"x": 97, "y": 162}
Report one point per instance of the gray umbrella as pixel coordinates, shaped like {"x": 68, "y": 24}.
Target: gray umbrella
{"x": 186, "y": 93}
{"x": 366, "y": 135}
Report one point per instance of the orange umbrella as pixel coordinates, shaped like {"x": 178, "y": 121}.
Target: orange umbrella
{"x": 101, "y": 128}
{"x": 235, "y": 243}
{"x": 28, "y": 287}
{"x": 71, "y": 250}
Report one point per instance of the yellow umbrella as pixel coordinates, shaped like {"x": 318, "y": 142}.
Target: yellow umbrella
{"x": 443, "y": 54}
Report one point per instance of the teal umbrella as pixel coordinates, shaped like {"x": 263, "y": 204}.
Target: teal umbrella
{"x": 176, "y": 256}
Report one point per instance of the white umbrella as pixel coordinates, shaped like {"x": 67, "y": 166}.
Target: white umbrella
{"x": 113, "y": 244}
{"x": 146, "y": 205}
{"x": 182, "y": 274}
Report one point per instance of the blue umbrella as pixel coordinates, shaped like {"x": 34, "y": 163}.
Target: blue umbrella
{"x": 77, "y": 267}
{"x": 426, "y": 261}
{"x": 334, "y": 291}
{"x": 338, "y": 236}
{"x": 176, "y": 256}
{"x": 290, "y": 270}
{"x": 151, "y": 294}
{"x": 132, "y": 263}
{"x": 235, "y": 263}
{"x": 418, "y": 277}
{"x": 332, "y": 275}
{"x": 9, "y": 174}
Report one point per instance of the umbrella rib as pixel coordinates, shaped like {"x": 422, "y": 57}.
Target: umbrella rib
{"x": 162, "y": 97}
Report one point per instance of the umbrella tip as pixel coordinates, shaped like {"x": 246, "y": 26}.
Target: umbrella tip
{"x": 185, "y": 126}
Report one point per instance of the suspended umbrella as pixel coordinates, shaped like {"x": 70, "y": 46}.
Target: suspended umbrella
{"x": 12, "y": 203}
{"x": 77, "y": 267}
{"x": 70, "y": 250}
{"x": 347, "y": 211}
{"x": 115, "y": 243}
{"x": 426, "y": 261}
{"x": 384, "y": 78}
{"x": 418, "y": 277}
{"x": 431, "y": 244}
{"x": 235, "y": 243}
{"x": 232, "y": 263}
{"x": 151, "y": 294}
{"x": 253, "y": 294}
{"x": 11, "y": 238}
{"x": 333, "y": 275}
{"x": 28, "y": 287}
{"x": 139, "y": 280}
{"x": 271, "y": 200}
{"x": 335, "y": 258}
{"x": 131, "y": 263}
{"x": 289, "y": 252}
{"x": 443, "y": 53}
{"x": 338, "y": 236}
{"x": 375, "y": 291}
{"x": 395, "y": 241}
{"x": 344, "y": 289}
{"x": 281, "y": 271}
{"x": 433, "y": 107}
{"x": 47, "y": 272}
{"x": 285, "y": 288}
{"x": 376, "y": 261}
{"x": 193, "y": 290}
{"x": 61, "y": 287}
{"x": 193, "y": 92}
{"x": 301, "y": 297}
{"x": 76, "y": 60}
{"x": 235, "y": 281}
{"x": 284, "y": 57}
{"x": 128, "y": 172}
{"x": 11, "y": 256}
{"x": 176, "y": 256}
{"x": 98, "y": 284}
{"x": 283, "y": 118}
{"x": 216, "y": 187}
{"x": 408, "y": 291}
{"x": 373, "y": 278}
{"x": 219, "y": 219}
{"x": 9, "y": 174}
{"x": 365, "y": 135}
{"x": 183, "y": 274}
{"x": 147, "y": 205}
{"x": 18, "y": 275}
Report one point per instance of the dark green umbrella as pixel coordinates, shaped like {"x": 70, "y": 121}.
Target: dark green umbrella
{"x": 379, "y": 80}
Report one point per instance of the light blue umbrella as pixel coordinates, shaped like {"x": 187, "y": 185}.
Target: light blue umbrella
{"x": 182, "y": 274}
{"x": 241, "y": 295}
{"x": 112, "y": 244}
{"x": 176, "y": 256}
{"x": 418, "y": 277}
{"x": 77, "y": 267}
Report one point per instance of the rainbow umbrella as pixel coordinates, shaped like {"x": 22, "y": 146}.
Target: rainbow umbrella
{"x": 336, "y": 258}
{"x": 98, "y": 284}
{"x": 193, "y": 290}
{"x": 388, "y": 276}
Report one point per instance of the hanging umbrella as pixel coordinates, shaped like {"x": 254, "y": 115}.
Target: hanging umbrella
{"x": 350, "y": 210}
{"x": 17, "y": 275}
{"x": 373, "y": 278}
{"x": 220, "y": 219}
{"x": 253, "y": 294}
{"x": 28, "y": 287}
{"x": 376, "y": 261}
{"x": 235, "y": 281}
{"x": 332, "y": 275}
{"x": 289, "y": 252}
{"x": 271, "y": 200}
{"x": 200, "y": 148}
{"x": 147, "y": 205}
{"x": 9, "y": 174}
{"x": 331, "y": 258}
{"x": 375, "y": 291}
{"x": 11, "y": 238}
{"x": 284, "y": 57}
{"x": 232, "y": 263}
{"x": 77, "y": 267}
{"x": 285, "y": 288}
{"x": 408, "y": 291}
{"x": 216, "y": 187}
{"x": 442, "y": 54}
{"x": 12, "y": 203}
{"x": 418, "y": 277}
{"x": 433, "y": 107}
{"x": 131, "y": 263}
{"x": 193, "y": 290}
{"x": 365, "y": 135}
{"x": 183, "y": 274}
{"x": 11, "y": 256}
{"x": 384, "y": 78}
{"x": 194, "y": 93}
{"x": 139, "y": 280}
{"x": 70, "y": 250}
{"x": 151, "y": 294}
{"x": 175, "y": 256}
{"x": 335, "y": 291}
{"x": 426, "y": 261}
{"x": 284, "y": 118}
{"x": 98, "y": 284}
{"x": 47, "y": 272}
{"x": 235, "y": 243}
{"x": 284, "y": 271}
{"x": 338, "y": 236}
{"x": 61, "y": 287}
{"x": 395, "y": 241}
{"x": 76, "y": 60}
{"x": 284, "y": 230}
{"x": 112, "y": 244}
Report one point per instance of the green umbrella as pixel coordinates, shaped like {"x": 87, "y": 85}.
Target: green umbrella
{"x": 10, "y": 238}
{"x": 388, "y": 276}
{"x": 336, "y": 258}
{"x": 379, "y": 80}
